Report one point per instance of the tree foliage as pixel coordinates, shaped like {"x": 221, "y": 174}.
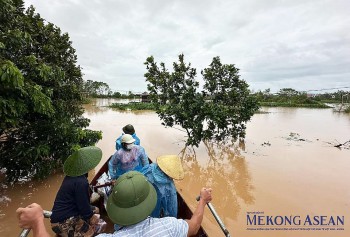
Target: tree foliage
{"x": 96, "y": 88}
{"x": 40, "y": 94}
{"x": 219, "y": 111}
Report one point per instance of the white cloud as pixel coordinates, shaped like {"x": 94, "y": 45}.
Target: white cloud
{"x": 303, "y": 44}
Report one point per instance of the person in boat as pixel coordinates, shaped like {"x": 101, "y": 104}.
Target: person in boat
{"x": 129, "y": 157}
{"x": 72, "y": 214}
{"x": 127, "y": 129}
{"x": 162, "y": 175}
{"x": 130, "y": 204}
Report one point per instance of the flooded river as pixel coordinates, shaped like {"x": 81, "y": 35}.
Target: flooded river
{"x": 287, "y": 170}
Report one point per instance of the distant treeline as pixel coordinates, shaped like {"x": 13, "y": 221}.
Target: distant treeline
{"x": 97, "y": 89}
{"x": 289, "y": 97}
{"x": 286, "y": 97}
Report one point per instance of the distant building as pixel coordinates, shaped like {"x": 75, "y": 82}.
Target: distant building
{"x": 145, "y": 97}
{"x": 310, "y": 95}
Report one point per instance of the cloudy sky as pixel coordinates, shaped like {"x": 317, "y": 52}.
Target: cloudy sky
{"x": 301, "y": 44}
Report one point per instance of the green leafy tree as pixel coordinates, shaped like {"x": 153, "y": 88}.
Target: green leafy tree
{"x": 219, "y": 111}
{"x": 231, "y": 104}
{"x": 176, "y": 98}
{"x": 96, "y": 88}
{"x": 117, "y": 95}
{"x": 40, "y": 95}
{"x": 286, "y": 94}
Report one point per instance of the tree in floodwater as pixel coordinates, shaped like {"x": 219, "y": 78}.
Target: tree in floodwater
{"x": 219, "y": 111}
{"x": 40, "y": 95}
{"x": 96, "y": 88}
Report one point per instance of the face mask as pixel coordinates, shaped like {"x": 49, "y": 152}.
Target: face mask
{"x": 129, "y": 146}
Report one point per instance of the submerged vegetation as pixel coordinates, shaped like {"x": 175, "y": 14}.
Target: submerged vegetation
{"x": 286, "y": 97}
{"x": 133, "y": 106}
{"x": 219, "y": 111}
{"x": 286, "y": 104}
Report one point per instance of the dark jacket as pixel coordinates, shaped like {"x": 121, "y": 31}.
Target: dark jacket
{"x": 72, "y": 200}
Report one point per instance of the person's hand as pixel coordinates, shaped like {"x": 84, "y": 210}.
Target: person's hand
{"x": 29, "y": 216}
{"x": 205, "y": 195}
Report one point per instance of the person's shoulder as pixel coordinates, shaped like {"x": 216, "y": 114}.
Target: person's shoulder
{"x": 118, "y": 152}
{"x": 172, "y": 223}
{"x": 137, "y": 139}
{"x": 135, "y": 136}
{"x": 139, "y": 147}
{"x": 165, "y": 220}
{"x": 119, "y": 138}
{"x": 106, "y": 235}
{"x": 81, "y": 179}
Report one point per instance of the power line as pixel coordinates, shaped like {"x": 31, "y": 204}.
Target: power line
{"x": 326, "y": 89}
{"x": 323, "y": 89}
{"x": 127, "y": 91}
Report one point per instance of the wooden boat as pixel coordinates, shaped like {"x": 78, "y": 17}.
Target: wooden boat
{"x": 184, "y": 212}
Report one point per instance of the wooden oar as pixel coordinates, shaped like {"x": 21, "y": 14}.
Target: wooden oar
{"x": 217, "y": 218}
{"x": 95, "y": 196}
{"x": 102, "y": 185}
{"x": 25, "y": 232}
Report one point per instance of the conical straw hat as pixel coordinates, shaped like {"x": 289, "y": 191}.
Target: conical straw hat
{"x": 171, "y": 165}
{"x": 82, "y": 161}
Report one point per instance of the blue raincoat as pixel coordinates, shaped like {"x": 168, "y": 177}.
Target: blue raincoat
{"x": 126, "y": 160}
{"x": 166, "y": 191}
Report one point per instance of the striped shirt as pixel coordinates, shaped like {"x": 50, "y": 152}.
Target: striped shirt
{"x": 153, "y": 227}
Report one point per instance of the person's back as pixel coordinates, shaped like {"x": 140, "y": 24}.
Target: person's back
{"x": 130, "y": 157}
{"x": 162, "y": 175}
{"x": 72, "y": 213}
{"x": 128, "y": 129}
{"x": 166, "y": 191}
{"x": 72, "y": 199}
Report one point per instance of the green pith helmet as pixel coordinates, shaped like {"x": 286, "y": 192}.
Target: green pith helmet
{"x": 132, "y": 199}
{"x": 129, "y": 129}
{"x": 82, "y": 161}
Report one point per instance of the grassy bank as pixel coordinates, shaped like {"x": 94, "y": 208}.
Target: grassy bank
{"x": 286, "y": 104}
{"x": 133, "y": 106}
{"x": 149, "y": 106}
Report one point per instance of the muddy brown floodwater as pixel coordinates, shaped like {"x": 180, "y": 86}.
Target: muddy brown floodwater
{"x": 287, "y": 169}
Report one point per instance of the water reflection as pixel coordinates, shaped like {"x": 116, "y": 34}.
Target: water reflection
{"x": 108, "y": 101}
{"x": 91, "y": 109}
{"x": 135, "y": 112}
{"x": 98, "y": 106}
{"x": 226, "y": 171}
